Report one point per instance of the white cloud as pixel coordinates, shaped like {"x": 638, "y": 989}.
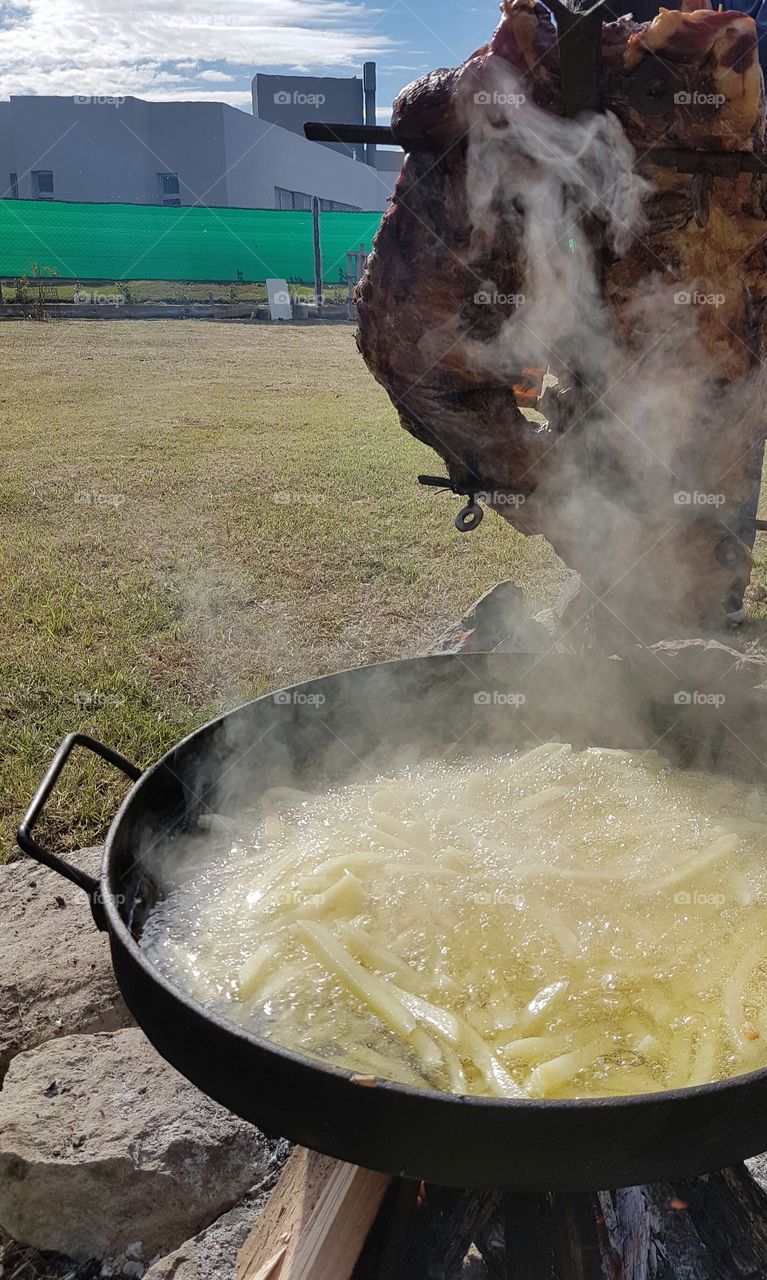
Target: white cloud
{"x": 122, "y": 46}
{"x": 217, "y": 77}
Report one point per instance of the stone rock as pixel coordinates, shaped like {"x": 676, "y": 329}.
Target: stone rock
{"x": 55, "y": 972}
{"x": 757, "y": 1167}
{"x": 107, "y": 1152}
{"x": 499, "y": 622}
{"x": 213, "y": 1252}
{"x": 473, "y": 1266}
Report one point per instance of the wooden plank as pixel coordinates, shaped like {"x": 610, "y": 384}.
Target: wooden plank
{"x": 316, "y": 1222}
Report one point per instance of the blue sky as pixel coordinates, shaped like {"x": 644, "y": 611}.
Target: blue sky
{"x": 426, "y": 34}
{"x": 209, "y": 49}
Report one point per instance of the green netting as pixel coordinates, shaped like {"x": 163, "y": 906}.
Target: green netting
{"x": 149, "y": 242}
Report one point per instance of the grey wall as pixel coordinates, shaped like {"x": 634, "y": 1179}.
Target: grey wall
{"x": 290, "y": 101}
{"x": 103, "y": 152}
{"x": 7, "y": 153}
{"x": 95, "y": 151}
{"x": 188, "y": 138}
{"x": 389, "y": 161}
{"x": 260, "y": 157}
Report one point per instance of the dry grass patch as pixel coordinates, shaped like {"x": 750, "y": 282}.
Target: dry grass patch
{"x": 192, "y": 514}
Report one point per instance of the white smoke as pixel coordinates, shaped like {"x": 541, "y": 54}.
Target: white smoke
{"x": 646, "y": 398}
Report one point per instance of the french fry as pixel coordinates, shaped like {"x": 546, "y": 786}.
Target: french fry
{"x": 553, "y": 923}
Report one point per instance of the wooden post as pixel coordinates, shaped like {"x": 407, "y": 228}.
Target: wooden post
{"x": 316, "y": 1222}
{"x": 327, "y": 1220}
{"x": 318, "y": 281}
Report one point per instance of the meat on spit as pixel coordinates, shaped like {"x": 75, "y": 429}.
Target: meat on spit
{"x": 651, "y": 425}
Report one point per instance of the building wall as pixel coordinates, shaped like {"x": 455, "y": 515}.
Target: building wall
{"x": 95, "y": 151}
{"x": 389, "y": 161}
{"x": 290, "y": 101}
{"x": 103, "y": 152}
{"x": 260, "y": 157}
{"x": 7, "y": 153}
{"x": 188, "y": 138}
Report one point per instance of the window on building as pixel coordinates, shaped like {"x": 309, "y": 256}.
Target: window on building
{"x": 42, "y": 184}
{"x": 284, "y": 199}
{"x": 333, "y": 206}
{"x": 14, "y": 186}
{"x": 170, "y": 191}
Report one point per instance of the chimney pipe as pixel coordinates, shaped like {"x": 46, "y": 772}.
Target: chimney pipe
{"x": 370, "y": 85}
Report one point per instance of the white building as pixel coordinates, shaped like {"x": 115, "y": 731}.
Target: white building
{"x": 132, "y": 151}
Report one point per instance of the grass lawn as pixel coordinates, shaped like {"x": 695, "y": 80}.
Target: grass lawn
{"x": 192, "y": 514}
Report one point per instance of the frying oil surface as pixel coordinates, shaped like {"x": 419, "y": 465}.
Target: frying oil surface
{"x": 556, "y": 923}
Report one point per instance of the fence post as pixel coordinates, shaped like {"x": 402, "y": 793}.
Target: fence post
{"x": 318, "y": 285}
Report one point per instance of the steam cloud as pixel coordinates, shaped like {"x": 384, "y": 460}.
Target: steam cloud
{"x": 658, "y": 400}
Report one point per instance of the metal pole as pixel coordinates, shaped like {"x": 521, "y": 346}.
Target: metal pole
{"x": 317, "y": 253}
{"x": 351, "y": 259}
{"x": 370, "y": 86}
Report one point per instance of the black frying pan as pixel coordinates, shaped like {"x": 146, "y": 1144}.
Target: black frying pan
{"x": 427, "y": 703}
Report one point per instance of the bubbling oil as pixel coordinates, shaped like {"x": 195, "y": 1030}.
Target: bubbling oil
{"x": 552, "y": 923}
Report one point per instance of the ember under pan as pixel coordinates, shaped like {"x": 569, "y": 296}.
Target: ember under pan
{"x": 318, "y": 733}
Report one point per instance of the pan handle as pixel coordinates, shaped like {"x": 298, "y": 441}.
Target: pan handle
{"x": 24, "y": 838}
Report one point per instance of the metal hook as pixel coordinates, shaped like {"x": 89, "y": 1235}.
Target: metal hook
{"x": 469, "y": 517}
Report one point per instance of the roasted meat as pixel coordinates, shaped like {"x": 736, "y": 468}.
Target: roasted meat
{"x": 517, "y": 239}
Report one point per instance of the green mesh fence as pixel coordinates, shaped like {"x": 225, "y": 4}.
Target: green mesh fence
{"x": 149, "y": 242}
